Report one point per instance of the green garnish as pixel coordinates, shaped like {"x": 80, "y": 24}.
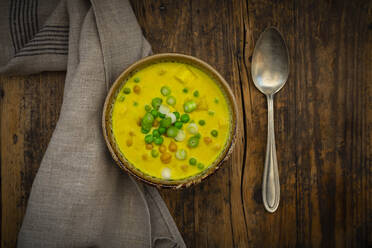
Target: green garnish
{"x": 148, "y": 118}
{"x": 121, "y": 98}
{"x": 202, "y": 122}
{"x": 159, "y": 140}
{"x": 185, "y": 90}
{"x": 189, "y": 106}
{"x": 147, "y": 108}
{"x": 166, "y": 122}
{"x": 198, "y": 136}
{"x": 185, "y": 118}
{"x": 216, "y": 100}
{"x": 196, "y": 93}
{"x": 192, "y": 128}
{"x": 177, "y": 115}
{"x": 149, "y": 138}
{"x": 145, "y": 130}
{"x": 172, "y": 132}
{"x": 210, "y": 112}
{"x": 192, "y": 161}
{"x": 155, "y": 133}
{"x": 193, "y": 142}
{"x": 178, "y": 124}
{"x": 154, "y": 153}
{"x": 200, "y": 166}
{"x": 154, "y": 113}
{"x": 135, "y": 103}
{"x": 161, "y": 115}
{"x": 136, "y": 79}
{"x": 171, "y": 100}
{"x": 126, "y": 91}
{"x": 165, "y": 91}
{"x": 156, "y": 102}
{"x": 162, "y": 130}
{"x": 214, "y": 133}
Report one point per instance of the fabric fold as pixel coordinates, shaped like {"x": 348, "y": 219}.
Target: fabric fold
{"x": 79, "y": 197}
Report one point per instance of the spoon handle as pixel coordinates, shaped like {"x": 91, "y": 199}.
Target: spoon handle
{"x": 270, "y": 184}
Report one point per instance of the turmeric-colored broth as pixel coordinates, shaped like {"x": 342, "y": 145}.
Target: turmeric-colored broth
{"x": 182, "y": 80}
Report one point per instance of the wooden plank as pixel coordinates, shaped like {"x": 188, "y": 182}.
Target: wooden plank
{"x": 29, "y": 111}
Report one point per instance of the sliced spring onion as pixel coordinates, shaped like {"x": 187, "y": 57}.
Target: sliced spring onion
{"x": 166, "y": 173}
{"x": 165, "y": 91}
{"x": 172, "y": 116}
{"x": 171, "y": 100}
{"x": 172, "y": 132}
{"x": 189, "y": 106}
{"x": 180, "y": 136}
{"x": 192, "y": 128}
{"x": 181, "y": 154}
{"x": 164, "y": 109}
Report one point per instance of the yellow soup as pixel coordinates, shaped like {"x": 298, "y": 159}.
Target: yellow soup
{"x": 160, "y": 142}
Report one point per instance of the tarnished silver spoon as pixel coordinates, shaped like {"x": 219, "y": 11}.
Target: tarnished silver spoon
{"x": 270, "y": 68}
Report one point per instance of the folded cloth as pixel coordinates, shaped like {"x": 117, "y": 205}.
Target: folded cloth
{"x": 79, "y": 197}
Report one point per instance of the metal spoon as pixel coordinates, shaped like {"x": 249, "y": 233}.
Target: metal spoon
{"x": 270, "y": 68}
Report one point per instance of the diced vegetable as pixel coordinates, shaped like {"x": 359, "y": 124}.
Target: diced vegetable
{"x": 162, "y": 130}
{"x": 192, "y": 161}
{"x": 148, "y": 119}
{"x": 180, "y": 136}
{"x": 166, "y": 122}
{"x": 178, "y": 124}
{"x": 171, "y": 100}
{"x": 192, "y": 128}
{"x": 154, "y": 113}
{"x": 172, "y": 132}
{"x": 149, "y": 138}
{"x": 156, "y": 133}
{"x": 177, "y": 115}
{"x": 156, "y": 102}
{"x": 189, "y": 106}
{"x": 126, "y": 91}
{"x": 154, "y": 153}
{"x": 163, "y": 109}
{"x": 159, "y": 140}
{"x": 181, "y": 154}
{"x": 165, "y": 91}
{"x": 214, "y": 133}
{"x": 202, "y": 122}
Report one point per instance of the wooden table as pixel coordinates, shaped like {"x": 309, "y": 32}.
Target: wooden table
{"x": 323, "y": 124}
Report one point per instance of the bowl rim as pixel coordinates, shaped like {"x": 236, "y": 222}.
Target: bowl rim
{"x": 124, "y": 165}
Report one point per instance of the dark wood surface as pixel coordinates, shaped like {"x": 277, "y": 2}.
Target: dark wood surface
{"x": 323, "y": 124}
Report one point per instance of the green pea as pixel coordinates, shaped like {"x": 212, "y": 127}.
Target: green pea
{"x": 149, "y": 138}
{"x": 121, "y": 98}
{"x": 185, "y": 118}
{"x": 171, "y": 100}
{"x": 147, "y": 108}
{"x": 177, "y": 115}
{"x": 202, "y": 122}
{"x": 148, "y": 118}
{"x": 214, "y": 133}
{"x": 192, "y": 161}
{"x": 159, "y": 140}
{"x": 154, "y": 113}
{"x": 189, "y": 106}
{"x": 198, "y": 136}
{"x": 155, "y": 133}
{"x": 145, "y": 130}
{"x": 161, "y": 115}
{"x": 196, "y": 93}
{"x": 185, "y": 90}
{"x": 193, "y": 142}
{"x": 162, "y": 130}
{"x": 200, "y": 166}
{"x": 154, "y": 153}
{"x": 136, "y": 79}
{"x": 165, "y": 91}
{"x": 126, "y": 91}
{"x": 156, "y": 102}
{"x": 172, "y": 132}
{"x": 178, "y": 124}
{"x": 166, "y": 122}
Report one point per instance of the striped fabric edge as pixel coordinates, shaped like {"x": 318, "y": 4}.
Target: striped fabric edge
{"x": 27, "y": 38}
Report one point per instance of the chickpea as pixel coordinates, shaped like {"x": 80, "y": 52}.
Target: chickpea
{"x": 207, "y": 140}
{"x": 166, "y": 157}
{"x": 137, "y": 89}
{"x": 162, "y": 148}
{"x": 129, "y": 142}
{"x": 149, "y": 146}
{"x": 172, "y": 147}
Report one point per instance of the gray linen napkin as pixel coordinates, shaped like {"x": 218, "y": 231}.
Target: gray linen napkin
{"x": 79, "y": 197}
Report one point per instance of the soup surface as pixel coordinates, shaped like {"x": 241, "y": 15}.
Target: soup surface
{"x": 171, "y": 120}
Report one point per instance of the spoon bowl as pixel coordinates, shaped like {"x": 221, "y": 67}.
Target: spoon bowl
{"x": 270, "y": 69}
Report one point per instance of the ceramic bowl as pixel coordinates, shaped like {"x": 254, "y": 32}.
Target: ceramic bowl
{"x": 119, "y": 158}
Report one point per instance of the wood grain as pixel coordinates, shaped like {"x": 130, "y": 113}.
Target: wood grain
{"x": 323, "y": 123}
